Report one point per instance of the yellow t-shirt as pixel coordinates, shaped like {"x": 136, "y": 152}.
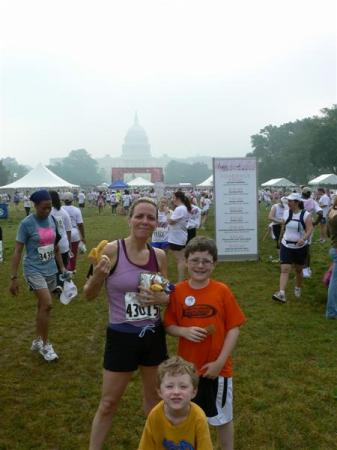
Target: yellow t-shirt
{"x": 191, "y": 434}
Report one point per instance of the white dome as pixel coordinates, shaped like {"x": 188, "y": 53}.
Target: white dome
{"x": 136, "y": 142}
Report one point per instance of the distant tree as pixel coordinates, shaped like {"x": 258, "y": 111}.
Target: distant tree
{"x": 78, "y": 168}
{"x": 297, "y": 150}
{"x": 179, "y": 172}
{"x": 4, "y": 174}
{"x": 16, "y": 170}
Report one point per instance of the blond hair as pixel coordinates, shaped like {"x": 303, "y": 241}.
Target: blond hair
{"x": 177, "y": 366}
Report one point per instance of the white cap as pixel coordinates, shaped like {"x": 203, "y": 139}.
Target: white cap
{"x": 294, "y": 196}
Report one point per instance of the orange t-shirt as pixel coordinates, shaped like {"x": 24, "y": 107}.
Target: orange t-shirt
{"x": 214, "y": 305}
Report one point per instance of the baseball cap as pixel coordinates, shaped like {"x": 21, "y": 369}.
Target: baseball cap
{"x": 294, "y": 196}
{"x": 306, "y": 190}
{"x": 68, "y": 196}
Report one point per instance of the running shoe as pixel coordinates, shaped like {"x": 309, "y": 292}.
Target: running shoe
{"x": 297, "y": 292}
{"x": 37, "y": 345}
{"x": 279, "y": 297}
{"x": 48, "y": 353}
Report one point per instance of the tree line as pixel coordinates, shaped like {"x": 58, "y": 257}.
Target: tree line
{"x": 299, "y": 150}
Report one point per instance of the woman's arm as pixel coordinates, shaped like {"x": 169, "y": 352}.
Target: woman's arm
{"x": 94, "y": 284}
{"x": 16, "y": 259}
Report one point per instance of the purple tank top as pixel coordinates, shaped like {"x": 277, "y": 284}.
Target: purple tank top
{"x": 124, "y": 280}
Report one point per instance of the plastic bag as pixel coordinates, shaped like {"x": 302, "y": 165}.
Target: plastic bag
{"x": 69, "y": 292}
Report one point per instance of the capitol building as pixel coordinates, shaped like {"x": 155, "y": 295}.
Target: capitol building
{"x": 136, "y": 159}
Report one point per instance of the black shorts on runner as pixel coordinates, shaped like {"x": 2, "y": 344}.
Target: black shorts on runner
{"x": 124, "y": 352}
{"x": 293, "y": 255}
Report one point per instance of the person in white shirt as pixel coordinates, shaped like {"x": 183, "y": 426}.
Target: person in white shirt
{"x": 194, "y": 222}
{"x": 81, "y": 199}
{"x": 77, "y": 228}
{"x": 297, "y": 227}
{"x": 314, "y": 209}
{"x": 205, "y": 203}
{"x": 63, "y": 223}
{"x": 324, "y": 202}
{"x": 159, "y": 237}
{"x": 177, "y": 233}
{"x": 27, "y": 203}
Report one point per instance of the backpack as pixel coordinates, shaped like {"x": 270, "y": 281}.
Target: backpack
{"x": 300, "y": 220}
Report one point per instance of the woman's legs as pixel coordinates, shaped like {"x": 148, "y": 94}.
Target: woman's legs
{"x": 285, "y": 270}
{"x": 179, "y": 256}
{"x": 150, "y": 397}
{"x": 298, "y": 275}
{"x": 44, "y": 305}
{"x": 114, "y": 385}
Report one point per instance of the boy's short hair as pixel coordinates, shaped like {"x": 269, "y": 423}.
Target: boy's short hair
{"x": 177, "y": 366}
{"x": 202, "y": 244}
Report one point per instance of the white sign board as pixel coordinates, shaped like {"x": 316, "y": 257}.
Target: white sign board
{"x": 235, "y": 200}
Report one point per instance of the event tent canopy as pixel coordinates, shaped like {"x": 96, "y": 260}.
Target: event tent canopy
{"x": 139, "y": 181}
{"x": 328, "y": 178}
{"x": 118, "y": 184}
{"x": 207, "y": 183}
{"x": 278, "y": 182}
{"x": 40, "y": 177}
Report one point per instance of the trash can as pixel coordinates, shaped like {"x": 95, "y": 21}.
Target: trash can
{"x": 3, "y": 211}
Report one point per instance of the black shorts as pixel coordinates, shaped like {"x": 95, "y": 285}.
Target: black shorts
{"x": 293, "y": 255}
{"x": 176, "y": 247}
{"x": 124, "y": 352}
{"x": 191, "y": 233}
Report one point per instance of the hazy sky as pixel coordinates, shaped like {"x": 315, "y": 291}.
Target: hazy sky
{"x": 203, "y": 75}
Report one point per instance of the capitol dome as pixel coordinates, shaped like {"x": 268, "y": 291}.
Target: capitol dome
{"x": 136, "y": 143}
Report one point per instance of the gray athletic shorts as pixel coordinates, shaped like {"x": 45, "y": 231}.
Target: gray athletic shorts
{"x": 37, "y": 281}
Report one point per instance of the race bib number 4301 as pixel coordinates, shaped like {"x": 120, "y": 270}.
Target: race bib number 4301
{"x": 134, "y": 310}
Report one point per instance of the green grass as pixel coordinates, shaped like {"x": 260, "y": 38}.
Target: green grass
{"x": 285, "y": 361}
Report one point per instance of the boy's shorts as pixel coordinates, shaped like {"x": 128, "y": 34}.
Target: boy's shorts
{"x": 215, "y": 397}
{"x": 37, "y": 281}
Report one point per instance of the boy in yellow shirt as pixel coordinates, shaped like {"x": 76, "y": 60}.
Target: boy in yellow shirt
{"x": 176, "y": 423}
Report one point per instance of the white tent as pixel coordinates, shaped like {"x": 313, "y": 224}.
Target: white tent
{"x": 278, "y": 182}
{"x": 40, "y": 177}
{"x": 207, "y": 183}
{"x": 139, "y": 181}
{"x": 328, "y": 178}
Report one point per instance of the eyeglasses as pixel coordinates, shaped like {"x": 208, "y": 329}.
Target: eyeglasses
{"x": 197, "y": 261}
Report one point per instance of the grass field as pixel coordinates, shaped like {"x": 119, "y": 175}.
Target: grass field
{"x": 285, "y": 363}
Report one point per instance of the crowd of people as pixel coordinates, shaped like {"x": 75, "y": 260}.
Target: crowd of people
{"x": 182, "y": 394}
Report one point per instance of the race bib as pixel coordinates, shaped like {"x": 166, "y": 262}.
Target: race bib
{"x": 135, "y": 311}
{"x": 46, "y": 252}
{"x": 160, "y": 235}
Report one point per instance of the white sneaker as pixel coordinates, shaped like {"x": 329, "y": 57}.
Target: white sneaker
{"x": 279, "y": 297}
{"x": 306, "y": 272}
{"x": 297, "y": 292}
{"x": 37, "y": 345}
{"x": 48, "y": 352}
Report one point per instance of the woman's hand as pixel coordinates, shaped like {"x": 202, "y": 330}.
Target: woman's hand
{"x": 14, "y": 287}
{"x": 148, "y": 297}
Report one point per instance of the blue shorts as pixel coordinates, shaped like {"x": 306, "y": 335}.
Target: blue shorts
{"x": 296, "y": 256}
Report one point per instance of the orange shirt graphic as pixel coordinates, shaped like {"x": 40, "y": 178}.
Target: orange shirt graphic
{"x": 213, "y": 305}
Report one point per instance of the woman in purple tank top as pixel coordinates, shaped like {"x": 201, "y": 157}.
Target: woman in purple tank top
{"x": 135, "y": 336}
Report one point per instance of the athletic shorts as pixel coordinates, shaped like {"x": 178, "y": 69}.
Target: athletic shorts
{"x": 215, "y": 397}
{"x": 37, "y": 281}
{"x": 176, "y": 247}
{"x": 124, "y": 352}
{"x": 162, "y": 245}
{"x": 293, "y": 255}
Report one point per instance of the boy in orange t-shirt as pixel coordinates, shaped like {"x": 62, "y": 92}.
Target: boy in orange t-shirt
{"x": 205, "y": 316}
